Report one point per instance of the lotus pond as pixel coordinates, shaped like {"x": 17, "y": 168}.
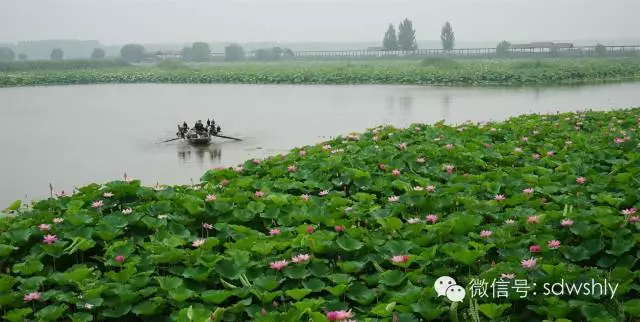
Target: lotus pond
{"x": 357, "y": 228}
{"x": 433, "y": 71}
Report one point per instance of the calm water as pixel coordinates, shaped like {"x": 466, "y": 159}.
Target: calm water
{"x": 74, "y": 135}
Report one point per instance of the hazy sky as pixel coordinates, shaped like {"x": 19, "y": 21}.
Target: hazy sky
{"x": 178, "y": 21}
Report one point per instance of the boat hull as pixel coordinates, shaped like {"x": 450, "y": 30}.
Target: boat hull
{"x": 199, "y": 141}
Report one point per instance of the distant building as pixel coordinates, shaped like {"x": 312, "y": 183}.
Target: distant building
{"x": 542, "y": 45}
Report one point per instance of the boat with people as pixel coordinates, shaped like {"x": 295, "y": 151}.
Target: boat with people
{"x": 200, "y": 134}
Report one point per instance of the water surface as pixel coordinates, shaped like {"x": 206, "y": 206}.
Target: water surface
{"x": 74, "y": 135}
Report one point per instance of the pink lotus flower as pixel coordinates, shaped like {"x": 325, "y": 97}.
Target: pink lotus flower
{"x": 536, "y": 132}
{"x": 493, "y": 129}
{"x": 418, "y": 188}
{"x": 302, "y": 153}
{"x": 508, "y": 276}
{"x": 49, "y": 239}
{"x": 198, "y": 243}
{"x": 517, "y": 150}
{"x": 529, "y": 263}
{"x": 402, "y": 146}
{"x": 550, "y": 153}
{"x": 581, "y": 180}
{"x": 566, "y": 223}
{"x": 274, "y": 231}
{"x": 127, "y": 178}
{"x": 509, "y": 222}
{"x": 35, "y": 296}
{"x": 394, "y": 198}
{"x": 432, "y": 218}
{"x": 305, "y": 197}
{"x": 534, "y": 248}
{"x": 107, "y": 194}
{"x": 60, "y": 194}
{"x": 127, "y": 211}
{"x": 210, "y": 198}
{"x": 421, "y": 160}
{"x": 292, "y": 168}
{"x": 528, "y": 191}
{"x": 375, "y": 138}
{"x": 44, "y": 227}
{"x": 97, "y": 204}
{"x": 207, "y": 226}
{"x": 629, "y": 211}
{"x": 499, "y": 197}
{"x": 431, "y": 188}
{"x": 58, "y": 220}
{"x": 533, "y": 220}
{"x": 259, "y": 194}
{"x": 413, "y": 221}
{"x": 417, "y": 128}
{"x": 488, "y": 145}
{"x": 301, "y": 258}
{"x": 449, "y": 168}
{"x": 485, "y": 233}
{"x": 238, "y": 169}
{"x": 524, "y": 139}
{"x": 400, "y": 259}
{"x": 339, "y": 228}
{"x": 395, "y": 172}
{"x": 279, "y": 265}
{"x": 634, "y": 219}
{"x": 256, "y": 161}
{"x": 326, "y": 147}
{"x": 119, "y": 259}
{"x": 449, "y": 146}
{"x": 348, "y": 209}
{"x": 554, "y": 244}
{"x": 535, "y": 156}
{"x": 323, "y": 193}
{"x": 381, "y": 166}
{"x": 309, "y": 229}
{"x": 339, "y": 315}
{"x": 568, "y": 142}
{"x": 618, "y": 140}
{"x": 224, "y": 182}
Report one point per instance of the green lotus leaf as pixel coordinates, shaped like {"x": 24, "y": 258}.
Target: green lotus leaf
{"x": 392, "y": 278}
{"x": 348, "y": 244}
{"x": 215, "y": 296}
{"x": 17, "y": 315}
{"x": 51, "y": 312}
{"x": 298, "y": 294}
{"x": 149, "y": 307}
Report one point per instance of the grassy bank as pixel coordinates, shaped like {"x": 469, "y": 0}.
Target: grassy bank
{"x": 60, "y": 65}
{"x": 364, "y": 223}
{"x": 428, "y": 72}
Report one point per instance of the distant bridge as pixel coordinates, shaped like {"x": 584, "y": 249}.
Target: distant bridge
{"x": 533, "y": 50}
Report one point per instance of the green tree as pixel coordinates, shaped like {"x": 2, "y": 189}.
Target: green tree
{"x": 200, "y": 52}
{"x": 601, "y": 49}
{"x": 97, "y": 53}
{"x": 233, "y": 52}
{"x": 22, "y": 56}
{"x": 407, "y": 36}
{"x": 132, "y": 53}
{"x": 390, "y": 40}
{"x": 502, "y": 49}
{"x": 7, "y": 54}
{"x": 187, "y": 53}
{"x": 57, "y": 54}
{"x": 447, "y": 36}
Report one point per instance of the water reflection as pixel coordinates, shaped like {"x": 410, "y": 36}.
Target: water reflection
{"x": 210, "y": 153}
{"x": 445, "y": 101}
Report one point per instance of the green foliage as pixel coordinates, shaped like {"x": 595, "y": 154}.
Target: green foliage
{"x": 200, "y": 52}
{"x": 97, "y": 53}
{"x": 407, "y": 36}
{"x": 49, "y": 65}
{"x": 447, "y": 36}
{"x": 271, "y": 54}
{"x": 502, "y": 49}
{"x": 57, "y": 54}
{"x": 171, "y": 65}
{"x": 6, "y": 54}
{"x": 432, "y": 71}
{"x": 110, "y": 265}
{"x": 600, "y": 49}
{"x": 390, "y": 40}
{"x": 233, "y": 52}
{"x": 133, "y": 53}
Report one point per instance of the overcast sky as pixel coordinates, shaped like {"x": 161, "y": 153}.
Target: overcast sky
{"x": 180, "y": 21}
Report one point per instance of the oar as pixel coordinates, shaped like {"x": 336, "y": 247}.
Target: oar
{"x": 171, "y": 140}
{"x": 226, "y": 137}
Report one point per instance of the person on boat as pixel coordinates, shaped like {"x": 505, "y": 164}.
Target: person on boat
{"x": 208, "y": 123}
{"x": 180, "y": 131}
{"x": 218, "y": 129}
{"x": 185, "y": 127}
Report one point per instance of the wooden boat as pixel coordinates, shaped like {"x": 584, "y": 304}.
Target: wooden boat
{"x": 196, "y": 138}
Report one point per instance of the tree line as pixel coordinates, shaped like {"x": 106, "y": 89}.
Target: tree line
{"x": 405, "y": 37}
